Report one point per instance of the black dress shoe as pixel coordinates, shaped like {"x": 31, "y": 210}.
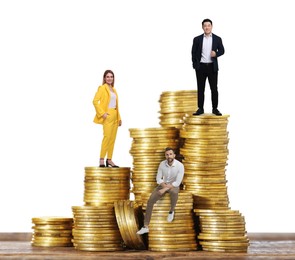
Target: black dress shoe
{"x": 102, "y": 165}
{"x": 199, "y": 112}
{"x": 216, "y": 112}
{"x": 111, "y": 165}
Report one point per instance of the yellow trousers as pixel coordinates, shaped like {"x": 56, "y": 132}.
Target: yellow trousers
{"x": 110, "y": 127}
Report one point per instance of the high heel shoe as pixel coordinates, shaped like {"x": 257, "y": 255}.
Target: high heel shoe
{"x": 111, "y": 165}
{"x": 101, "y": 163}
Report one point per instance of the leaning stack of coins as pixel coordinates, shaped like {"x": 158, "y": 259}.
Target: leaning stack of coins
{"x": 52, "y": 231}
{"x": 103, "y": 186}
{"x": 148, "y": 147}
{"x": 129, "y": 217}
{"x": 222, "y": 231}
{"x": 205, "y": 152}
{"x": 96, "y": 229}
{"x": 178, "y": 235}
{"x": 174, "y": 105}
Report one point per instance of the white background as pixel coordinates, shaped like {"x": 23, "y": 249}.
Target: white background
{"x": 52, "y": 57}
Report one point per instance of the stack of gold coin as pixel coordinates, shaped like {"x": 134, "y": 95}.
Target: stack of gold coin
{"x": 96, "y": 229}
{"x": 129, "y": 217}
{"x": 222, "y": 231}
{"x": 52, "y": 231}
{"x": 174, "y": 105}
{"x": 178, "y": 235}
{"x": 205, "y": 152}
{"x": 103, "y": 186}
{"x": 148, "y": 150}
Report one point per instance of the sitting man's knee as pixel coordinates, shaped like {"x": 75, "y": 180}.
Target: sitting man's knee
{"x": 174, "y": 191}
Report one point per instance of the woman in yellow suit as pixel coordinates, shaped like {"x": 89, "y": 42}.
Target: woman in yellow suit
{"x": 107, "y": 114}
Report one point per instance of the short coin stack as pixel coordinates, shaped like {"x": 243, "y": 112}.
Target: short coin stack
{"x": 103, "y": 186}
{"x": 95, "y": 225}
{"x": 222, "y": 231}
{"x": 178, "y": 235}
{"x": 52, "y": 231}
{"x": 129, "y": 218}
{"x": 205, "y": 152}
{"x": 174, "y": 105}
{"x": 96, "y": 229}
{"x": 148, "y": 148}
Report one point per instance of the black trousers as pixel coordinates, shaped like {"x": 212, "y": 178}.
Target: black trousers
{"x": 206, "y": 71}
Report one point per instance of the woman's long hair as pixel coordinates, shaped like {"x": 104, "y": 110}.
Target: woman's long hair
{"x": 104, "y": 76}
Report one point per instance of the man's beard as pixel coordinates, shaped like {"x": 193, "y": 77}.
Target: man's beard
{"x": 170, "y": 160}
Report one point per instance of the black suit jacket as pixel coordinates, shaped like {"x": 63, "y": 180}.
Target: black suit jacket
{"x": 217, "y": 46}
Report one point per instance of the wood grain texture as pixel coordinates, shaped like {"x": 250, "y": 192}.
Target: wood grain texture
{"x": 262, "y": 246}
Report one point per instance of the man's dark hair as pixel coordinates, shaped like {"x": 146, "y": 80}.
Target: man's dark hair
{"x": 168, "y": 149}
{"x": 207, "y": 20}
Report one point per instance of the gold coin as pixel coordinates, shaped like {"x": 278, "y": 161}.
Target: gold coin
{"x": 97, "y": 168}
{"x": 53, "y": 227}
{"x": 233, "y": 243}
{"x": 205, "y": 173}
{"x": 208, "y": 117}
{"x": 188, "y": 247}
{"x": 171, "y": 236}
{"x": 179, "y": 92}
{"x": 178, "y": 103}
{"x": 221, "y": 237}
{"x": 217, "y": 212}
{"x": 109, "y": 234}
{"x": 43, "y": 234}
{"x": 221, "y": 217}
{"x": 94, "y": 216}
{"x": 219, "y": 138}
{"x": 176, "y": 222}
{"x": 200, "y": 132}
{"x": 45, "y": 244}
{"x": 99, "y": 246}
{"x": 96, "y": 238}
{"x": 239, "y": 250}
{"x": 172, "y": 243}
{"x": 86, "y": 209}
{"x": 51, "y": 219}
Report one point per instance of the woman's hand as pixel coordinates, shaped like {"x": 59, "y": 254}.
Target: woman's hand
{"x": 105, "y": 115}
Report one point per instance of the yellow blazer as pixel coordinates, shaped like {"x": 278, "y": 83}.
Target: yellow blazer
{"x": 101, "y": 103}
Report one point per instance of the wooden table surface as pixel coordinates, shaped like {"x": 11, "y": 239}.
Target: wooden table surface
{"x": 262, "y": 246}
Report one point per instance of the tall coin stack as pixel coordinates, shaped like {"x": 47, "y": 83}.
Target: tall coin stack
{"x": 205, "y": 152}
{"x": 148, "y": 147}
{"x": 52, "y": 231}
{"x": 179, "y": 235}
{"x": 96, "y": 229}
{"x": 174, "y": 105}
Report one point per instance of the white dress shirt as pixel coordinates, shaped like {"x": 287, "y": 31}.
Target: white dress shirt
{"x": 170, "y": 174}
{"x": 206, "y": 49}
{"x": 112, "y": 103}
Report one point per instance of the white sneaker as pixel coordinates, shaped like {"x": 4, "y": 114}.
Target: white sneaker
{"x": 170, "y": 216}
{"x": 142, "y": 231}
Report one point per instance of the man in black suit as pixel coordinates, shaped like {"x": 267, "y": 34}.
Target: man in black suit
{"x": 206, "y": 49}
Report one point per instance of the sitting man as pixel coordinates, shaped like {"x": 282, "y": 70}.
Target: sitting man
{"x": 169, "y": 177}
